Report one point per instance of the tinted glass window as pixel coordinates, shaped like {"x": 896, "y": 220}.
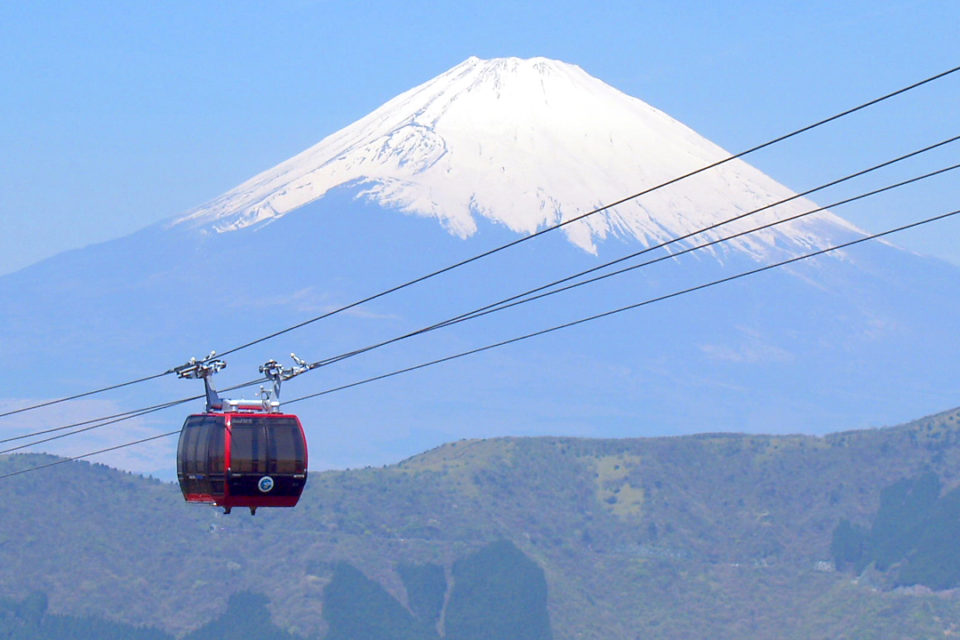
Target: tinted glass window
{"x": 287, "y": 448}
{"x": 248, "y": 446}
{"x": 200, "y": 453}
{"x": 266, "y": 445}
{"x": 194, "y": 432}
{"x": 185, "y": 436}
{"x": 215, "y": 452}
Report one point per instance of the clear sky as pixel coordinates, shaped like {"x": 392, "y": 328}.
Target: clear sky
{"x": 118, "y": 115}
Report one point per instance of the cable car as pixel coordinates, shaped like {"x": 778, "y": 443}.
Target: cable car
{"x": 241, "y": 453}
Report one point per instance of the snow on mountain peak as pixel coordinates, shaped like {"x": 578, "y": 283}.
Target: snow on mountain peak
{"x": 526, "y": 144}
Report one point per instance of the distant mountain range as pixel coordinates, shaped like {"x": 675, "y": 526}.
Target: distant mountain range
{"x": 490, "y": 150}
{"x": 712, "y": 535}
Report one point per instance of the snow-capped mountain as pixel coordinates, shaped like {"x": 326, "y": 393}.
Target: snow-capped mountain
{"x": 491, "y": 150}
{"x": 526, "y": 144}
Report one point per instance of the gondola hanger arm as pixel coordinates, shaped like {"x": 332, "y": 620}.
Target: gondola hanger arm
{"x": 203, "y": 369}
{"x": 277, "y": 373}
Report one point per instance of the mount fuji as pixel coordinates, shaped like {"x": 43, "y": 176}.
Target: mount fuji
{"x": 524, "y": 144}
{"x": 485, "y": 153}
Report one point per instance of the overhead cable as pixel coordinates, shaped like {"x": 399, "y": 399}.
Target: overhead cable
{"x": 85, "y": 394}
{"x": 528, "y": 295}
{"x": 524, "y": 298}
{"x": 564, "y": 223}
{"x": 502, "y": 343}
{"x": 490, "y": 252}
{"x": 631, "y": 307}
{"x": 93, "y": 420}
{"x": 128, "y": 416}
{"x": 112, "y": 419}
{"x": 88, "y": 455}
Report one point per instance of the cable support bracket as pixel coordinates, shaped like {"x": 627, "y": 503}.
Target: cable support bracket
{"x": 278, "y": 374}
{"x": 196, "y": 368}
{"x": 203, "y": 369}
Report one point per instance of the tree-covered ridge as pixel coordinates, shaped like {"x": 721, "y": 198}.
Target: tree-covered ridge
{"x": 30, "y": 619}
{"x": 246, "y": 616}
{"x": 658, "y": 537}
{"x": 498, "y": 592}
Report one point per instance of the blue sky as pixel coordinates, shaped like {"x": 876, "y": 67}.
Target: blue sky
{"x": 116, "y": 116}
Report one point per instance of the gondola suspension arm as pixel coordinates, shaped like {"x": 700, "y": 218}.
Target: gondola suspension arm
{"x": 278, "y": 374}
{"x": 204, "y": 369}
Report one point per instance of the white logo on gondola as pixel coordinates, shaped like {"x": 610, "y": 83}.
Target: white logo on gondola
{"x": 265, "y": 484}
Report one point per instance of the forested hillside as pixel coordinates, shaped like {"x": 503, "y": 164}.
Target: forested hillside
{"x": 745, "y": 535}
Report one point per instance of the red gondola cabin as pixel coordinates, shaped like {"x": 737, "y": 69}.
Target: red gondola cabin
{"x": 242, "y": 458}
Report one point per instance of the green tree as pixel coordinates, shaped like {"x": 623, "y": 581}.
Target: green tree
{"x": 246, "y": 616}
{"x": 357, "y": 608}
{"x": 850, "y": 546}
{"x": 500, "y": 593}
{"x": 426, "y": 586}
